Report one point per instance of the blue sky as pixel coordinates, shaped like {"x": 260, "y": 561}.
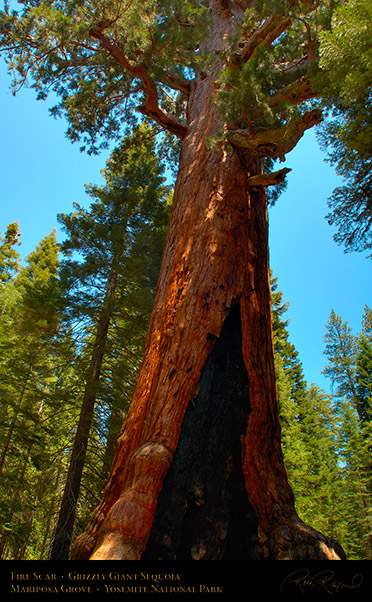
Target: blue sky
{"x": 42, "y": 173}
{"x": 313, "y": 272}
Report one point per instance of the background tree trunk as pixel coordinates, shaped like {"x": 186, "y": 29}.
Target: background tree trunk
{"x": 16, "y": 412}
{"x": 63, "y": 532}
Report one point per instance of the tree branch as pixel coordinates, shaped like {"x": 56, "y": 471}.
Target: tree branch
{"x": 296, "y": 92}
{"x": 269, "y": 179}
{"x": 275, "y": 142}
{"x": 177, "y": 82}
{"x": 152, "y": 109}
{"x": 151, "y": 105}
{"x": 265, "y": 35}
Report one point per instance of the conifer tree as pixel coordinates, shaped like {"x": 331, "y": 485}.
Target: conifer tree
{"x": 354, "y": 448}
{"x": 308, "y": 430}
{"x": 340, "y": 350}
{"x": 353, "y": 435}
{"x": 364, "y": 369}
{"x": 232, "y": 80}
{"x": 27, "y": 374}
{"x": 37, "y": 316}
{"x": 290, "y": 381}
{"x": 126, "y": 218}
{"x": 322, "y": 481}
{"x": 9, "y": 257}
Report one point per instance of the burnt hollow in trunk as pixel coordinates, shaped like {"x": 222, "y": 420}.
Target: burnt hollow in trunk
{"x": 203, "y": 511}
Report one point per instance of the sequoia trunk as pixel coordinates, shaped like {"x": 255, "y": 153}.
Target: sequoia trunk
{"x": 208, "y": 362}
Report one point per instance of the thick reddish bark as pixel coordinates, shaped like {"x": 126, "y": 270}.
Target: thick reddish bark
{"x": 215, "y": 257}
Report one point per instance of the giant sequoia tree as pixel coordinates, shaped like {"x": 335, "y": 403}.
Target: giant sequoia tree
{"x": 198, "y": 471}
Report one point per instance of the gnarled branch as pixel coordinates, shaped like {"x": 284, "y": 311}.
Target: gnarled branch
{"x": 264, "y": 35}
{"x": 268, "y": 179}
{"x": 296, "y": 92}
{"x": 276, "y": 141}
{"x": 151, "y": 105}
{"x": 175, "y": 81}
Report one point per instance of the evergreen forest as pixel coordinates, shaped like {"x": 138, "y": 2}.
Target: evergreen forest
{"x": 74, "y": 313}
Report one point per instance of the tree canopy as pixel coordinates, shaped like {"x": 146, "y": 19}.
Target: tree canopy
{"x": 346, "y": 72}
{"x": 110, "y": 61}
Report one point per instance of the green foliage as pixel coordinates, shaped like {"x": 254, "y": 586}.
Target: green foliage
{"x": 326, "y": 440}
{"x": 351, "y": 209}
{"x": 39, "y": 287}
{"x": 28, "y": 376}
{"x": 49, "y": 45}
{"x": 127, "y": 213}
{"x": 94, "y": 55}
{"x": 322, "y": 481}
{"x": 9, "y": 257}
{"x": 354, "y": 444}
{"x": 308, "y": 430}
{"x": 364, "y": 379}
{"x": 247, "y": 87}
{"x": 283, "y": 347}
{"x": 340, "y": 350}
{"x": 346, "y": 63}
{"x": 112, "y": 259}
{"x": 349, "y": 356}
{"x": 48, "y": 328}
{"x": 363, "y": 369}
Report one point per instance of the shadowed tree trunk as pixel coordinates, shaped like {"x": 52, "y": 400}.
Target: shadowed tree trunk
{"x": 208, "y": 362}
{"x": 66, "y": 517}
{"x": 16, "y": 411}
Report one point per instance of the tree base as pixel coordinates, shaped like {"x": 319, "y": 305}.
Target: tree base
{"x": 203, "y": 511}
{"x": 294, "y": 540}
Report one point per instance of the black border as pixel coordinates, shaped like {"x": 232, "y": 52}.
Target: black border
{"x": 177, "y": 581}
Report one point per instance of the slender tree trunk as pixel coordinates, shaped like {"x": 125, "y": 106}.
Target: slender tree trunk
{"x": 366, "y": 510}
{"x": 14, "y": 504}
{"x": 16, "y": 412}
{"x": 50, "y": 515}
{"x": 66, "y": 517}
{"x": 114, "y": 422}
{"x": 211, "y": 314}
{"x": 21, "y": 478}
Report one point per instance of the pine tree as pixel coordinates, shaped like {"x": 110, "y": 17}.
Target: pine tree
{"x": 322, "y": 481}
{"x": 340, "y": 350}
{"x": 37, "y": 316}
{"x": 127, "y": 216}
{"x": 27, "y": 374}
{"x": 364, "y": 369}
{"x": 9, "y": 257}
{"x": 290, "y": 382}
{"x": 232, "y": 81}
{"x": 308, "y": 432}
{"x": 344, "y": 351}
{"x": 356, "y": 511}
